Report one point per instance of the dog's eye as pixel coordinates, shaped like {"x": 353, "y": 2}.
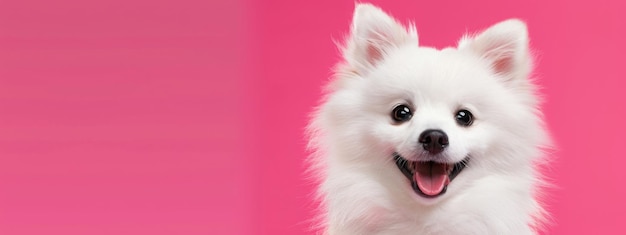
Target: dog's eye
{"x": 401, "y": 113}
{"x": 464, "y": 117}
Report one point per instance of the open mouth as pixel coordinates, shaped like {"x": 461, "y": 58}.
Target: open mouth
{"x": 429, "y": 179}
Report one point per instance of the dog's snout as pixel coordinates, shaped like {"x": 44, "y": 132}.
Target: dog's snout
{"x": 433, "y": 141}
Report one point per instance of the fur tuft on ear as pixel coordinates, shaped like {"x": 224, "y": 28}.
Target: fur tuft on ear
{"x": 373, "y": 34}
{"x": 504, "y": 46}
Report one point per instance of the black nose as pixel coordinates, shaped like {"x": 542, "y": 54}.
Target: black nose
{"x": 434, "y": 141}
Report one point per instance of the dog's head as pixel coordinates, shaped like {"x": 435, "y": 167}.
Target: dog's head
{"x": 435, "y": 116}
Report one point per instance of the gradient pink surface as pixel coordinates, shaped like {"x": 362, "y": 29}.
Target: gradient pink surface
{"x": 187, "y": 117}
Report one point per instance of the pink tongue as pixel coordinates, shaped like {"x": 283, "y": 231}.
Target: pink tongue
{"x": 431, "y": 177}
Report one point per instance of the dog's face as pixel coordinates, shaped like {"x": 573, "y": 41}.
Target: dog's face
{"x": 435, "y": 111}
{"x": 437, "y": 115}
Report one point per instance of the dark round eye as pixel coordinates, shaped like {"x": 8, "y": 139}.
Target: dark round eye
{"x": 401, "y": 113}
{"x": 464, "y": 117}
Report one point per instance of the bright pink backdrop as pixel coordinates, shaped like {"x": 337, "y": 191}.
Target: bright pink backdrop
{"x": 187, "y": 117}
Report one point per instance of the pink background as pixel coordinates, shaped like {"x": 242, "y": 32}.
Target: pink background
{"x": 187, "y": 117}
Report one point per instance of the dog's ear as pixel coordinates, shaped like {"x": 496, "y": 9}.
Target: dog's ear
{"x": 373, "y": 34}
{"x": 504, "y": 46}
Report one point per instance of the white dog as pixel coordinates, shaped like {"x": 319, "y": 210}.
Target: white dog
{"x": 415, "y": 140}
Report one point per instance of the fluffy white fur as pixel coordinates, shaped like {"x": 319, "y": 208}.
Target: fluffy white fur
{"x": 362, "y": 191}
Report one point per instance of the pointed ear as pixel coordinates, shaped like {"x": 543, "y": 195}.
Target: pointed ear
{"x": 373, "y": 34}
{"x": 505, "y": 47}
